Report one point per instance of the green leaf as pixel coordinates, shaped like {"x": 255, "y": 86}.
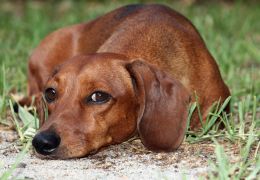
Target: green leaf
{"x": 27, "y": 118}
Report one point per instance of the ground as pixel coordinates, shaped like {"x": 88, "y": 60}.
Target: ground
{"x": 129, "y": 160}
{"x": 231, "y": 31}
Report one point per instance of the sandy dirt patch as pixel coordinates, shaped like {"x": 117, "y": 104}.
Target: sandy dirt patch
{"x": 129, "y": 160}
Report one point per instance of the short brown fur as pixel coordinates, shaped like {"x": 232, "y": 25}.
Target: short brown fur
{"x": 149, "y": 57}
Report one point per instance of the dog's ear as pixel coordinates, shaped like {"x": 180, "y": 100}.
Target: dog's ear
{"x": 163, "y": 109}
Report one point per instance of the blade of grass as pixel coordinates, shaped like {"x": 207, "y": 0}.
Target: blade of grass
{"x": 6, "y": 175}
{"x": 215, "y": 117}
{"x": 222, "y": 162}
{"x": 199, "y": 112}
{"x": 253, "y": 174}
{"x": 3, "y": 96}
{"x": 191, "y": 110}
{"x": 16, "y": 123}
{"x": 251, "y": 139}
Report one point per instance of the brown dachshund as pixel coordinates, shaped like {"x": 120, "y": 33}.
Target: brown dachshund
{"x": 131, "y": 71}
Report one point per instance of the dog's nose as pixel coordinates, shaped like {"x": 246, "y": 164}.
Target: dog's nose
{"x": 45, "y": 142}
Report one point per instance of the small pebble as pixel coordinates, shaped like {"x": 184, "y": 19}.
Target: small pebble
{"x": 21, "y": 165}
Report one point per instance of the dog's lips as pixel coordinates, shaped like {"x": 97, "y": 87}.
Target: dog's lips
{"x": 53, "y": 154}
{"x": 50, "y": 150}
{"x": 44, "y": 156}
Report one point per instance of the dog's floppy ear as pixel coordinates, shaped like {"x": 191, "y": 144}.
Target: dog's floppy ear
{"x": 163, "y": 109}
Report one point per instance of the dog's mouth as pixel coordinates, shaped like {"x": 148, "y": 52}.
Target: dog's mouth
{"x": 40, "y": 156}
{"x": 63, "y": 152}
{"x": 58, "y": 153}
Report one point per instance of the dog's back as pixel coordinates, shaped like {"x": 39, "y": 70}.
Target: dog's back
{"x": 163, "y": 37}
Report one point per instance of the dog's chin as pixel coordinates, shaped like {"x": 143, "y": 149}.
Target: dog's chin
{"x": 44, "y": 157}
{"x": 63, "y": 155}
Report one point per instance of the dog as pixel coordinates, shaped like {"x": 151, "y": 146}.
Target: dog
{"x": 132, "y": 71}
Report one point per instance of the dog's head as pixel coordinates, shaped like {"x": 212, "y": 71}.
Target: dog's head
{"x": 102, "y": 99}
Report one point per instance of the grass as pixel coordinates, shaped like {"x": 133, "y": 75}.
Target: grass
{"x": 241, "y": 131}
{"x": 231, "y": 32}
{"x": 3, "y": 95}
{"x": 29, "y": 123}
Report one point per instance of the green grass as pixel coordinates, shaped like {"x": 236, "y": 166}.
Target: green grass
{"x": 243, "y": 131}
{"x": 231, "y": 32}
{"x": 29, "y": 123}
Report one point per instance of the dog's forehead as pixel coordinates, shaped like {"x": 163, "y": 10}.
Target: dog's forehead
{"x": 97, "y": 61}
{"x": 108, "y": 71}
{"x": 105, "y": 71}
{"x": 101, "y": 67}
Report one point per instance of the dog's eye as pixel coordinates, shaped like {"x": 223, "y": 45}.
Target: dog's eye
{"x": 98, "y": 97}
{"x": 50, "y": 95}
